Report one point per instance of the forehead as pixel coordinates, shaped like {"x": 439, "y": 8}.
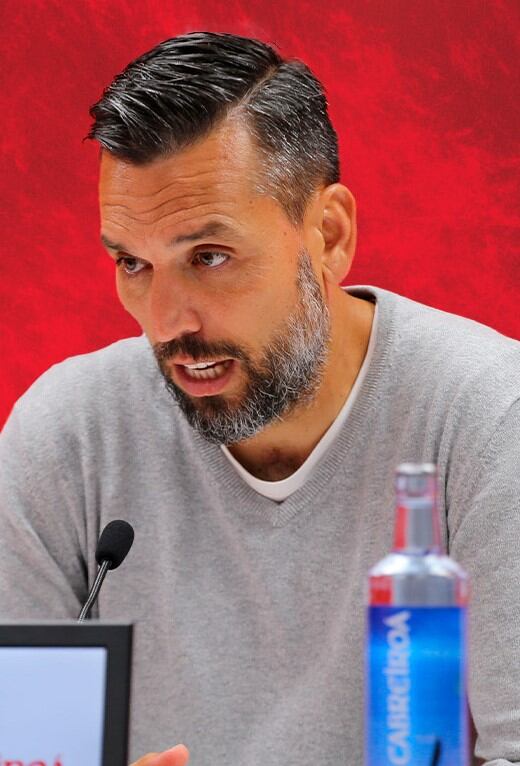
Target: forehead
{"x": 219, "y": 171}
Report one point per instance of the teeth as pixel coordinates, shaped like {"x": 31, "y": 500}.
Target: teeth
{"x": 199, "y": 365}
{"x": 206, "y": 373}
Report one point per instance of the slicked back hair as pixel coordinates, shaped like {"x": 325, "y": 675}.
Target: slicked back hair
{"x": 178, "y": 92}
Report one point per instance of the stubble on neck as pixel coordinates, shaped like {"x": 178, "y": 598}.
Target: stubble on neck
{"x": 283, "y": 446}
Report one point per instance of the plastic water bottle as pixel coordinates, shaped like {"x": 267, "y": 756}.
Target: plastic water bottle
{"x": 415, "y": 696}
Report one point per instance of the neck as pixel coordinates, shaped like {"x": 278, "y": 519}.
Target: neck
{"x": 283, "y": 446}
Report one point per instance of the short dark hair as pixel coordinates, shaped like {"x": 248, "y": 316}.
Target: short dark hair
{"x": 180, "y": 90}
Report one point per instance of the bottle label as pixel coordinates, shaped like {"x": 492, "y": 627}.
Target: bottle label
{"x": 416, "y": 711}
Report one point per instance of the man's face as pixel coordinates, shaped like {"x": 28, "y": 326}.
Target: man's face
{"x": 215, "y": 274}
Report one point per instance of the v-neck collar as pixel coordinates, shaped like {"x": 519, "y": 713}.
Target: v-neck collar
{"x": 246, "y": 500}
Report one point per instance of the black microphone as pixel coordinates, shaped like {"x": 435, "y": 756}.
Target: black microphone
{"x": 114, "y": 543}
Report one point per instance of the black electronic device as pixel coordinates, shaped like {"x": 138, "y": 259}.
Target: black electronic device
{"x": 65, "y": 693}
{"x": 113, "y": 545}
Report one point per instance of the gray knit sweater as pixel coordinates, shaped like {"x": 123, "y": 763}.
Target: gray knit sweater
{"x": 249, "y": 614}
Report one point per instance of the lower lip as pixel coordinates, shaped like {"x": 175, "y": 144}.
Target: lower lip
{"x": 197, "y": 387}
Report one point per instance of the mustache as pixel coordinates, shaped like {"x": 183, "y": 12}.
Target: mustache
{"x": 197, "y": 349}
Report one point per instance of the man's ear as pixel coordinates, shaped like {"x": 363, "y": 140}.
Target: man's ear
{"x": 338, "y": 230}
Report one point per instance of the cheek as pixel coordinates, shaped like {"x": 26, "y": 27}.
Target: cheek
{"x": 259, "y": 318}
{"x": 122, "y": 293}
{"x": 131, "y": 300}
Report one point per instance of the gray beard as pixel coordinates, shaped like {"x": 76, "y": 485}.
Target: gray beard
{"x": 289, "y": 373}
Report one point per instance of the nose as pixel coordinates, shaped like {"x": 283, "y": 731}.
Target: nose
{"x": 171, "y": 309}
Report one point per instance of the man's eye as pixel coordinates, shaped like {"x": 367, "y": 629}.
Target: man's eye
{"x": 211, "y": 259}
{"x": 130, "y": 265}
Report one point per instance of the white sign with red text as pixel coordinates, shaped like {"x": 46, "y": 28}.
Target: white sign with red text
{"x": 52, "y": 706}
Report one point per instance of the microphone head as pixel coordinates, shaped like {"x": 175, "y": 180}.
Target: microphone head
{"x": 114, "y": 543}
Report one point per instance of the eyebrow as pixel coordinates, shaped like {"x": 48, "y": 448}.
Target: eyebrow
{"x": 211, "y": 229}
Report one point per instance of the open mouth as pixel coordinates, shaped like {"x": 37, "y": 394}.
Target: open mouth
{"x": 207, "y": 370}
{"x": 204, "y": 378}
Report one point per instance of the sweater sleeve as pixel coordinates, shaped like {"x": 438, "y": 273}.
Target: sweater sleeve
{"x": 42, "y": 570}
{"x": 486, "y": 543}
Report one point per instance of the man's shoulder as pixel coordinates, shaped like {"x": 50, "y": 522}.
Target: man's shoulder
{"x": 459, "y": 347}
{"x": 116, "y": 356}
{"x": 453, "y": 368}
{"x": 451, "y": 346}
{"x": 92, "y": 384}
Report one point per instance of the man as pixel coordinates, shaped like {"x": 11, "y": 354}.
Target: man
{"x": 259, "y": 478}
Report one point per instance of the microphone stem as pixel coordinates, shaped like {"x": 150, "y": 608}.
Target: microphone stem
{"x": 103, "y": 569}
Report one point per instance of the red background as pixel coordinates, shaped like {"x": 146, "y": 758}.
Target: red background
{"x": 422, "y": 93}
